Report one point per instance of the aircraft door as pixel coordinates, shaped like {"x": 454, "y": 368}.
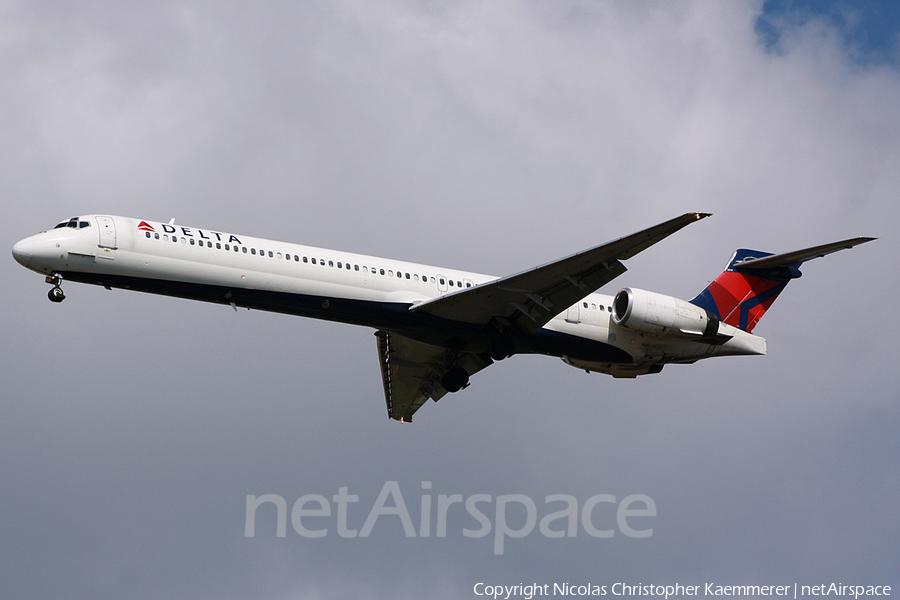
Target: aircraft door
{"x": 107, "y": 228}
{"x": 442, "y": 283}
{"x": 573, "y": 314}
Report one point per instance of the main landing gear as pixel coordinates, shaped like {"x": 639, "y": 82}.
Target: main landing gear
{"x": 455, "y": 379}
{"x": 55, "y": 294}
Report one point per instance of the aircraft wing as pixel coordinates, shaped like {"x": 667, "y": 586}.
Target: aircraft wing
{"x": 411, "y": 372}
{"x": 528, "y": 300}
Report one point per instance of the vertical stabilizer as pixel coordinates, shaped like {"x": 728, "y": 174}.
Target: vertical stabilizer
{"x": 740, "y": 297}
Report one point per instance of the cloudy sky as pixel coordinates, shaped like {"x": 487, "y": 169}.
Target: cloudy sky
{"x": 490, "y": 137}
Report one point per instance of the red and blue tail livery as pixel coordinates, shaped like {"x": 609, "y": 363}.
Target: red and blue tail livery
{"x": 435, "y": 327}
{"x": 741, "y": 296}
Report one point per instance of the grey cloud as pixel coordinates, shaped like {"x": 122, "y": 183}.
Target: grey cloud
{"x": 488, "y": 137}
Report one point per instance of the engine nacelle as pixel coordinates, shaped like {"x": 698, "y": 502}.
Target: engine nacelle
{"x": 660, "y": 315}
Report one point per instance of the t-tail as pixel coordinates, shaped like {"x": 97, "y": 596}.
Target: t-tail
{"x": 748, "y": 286}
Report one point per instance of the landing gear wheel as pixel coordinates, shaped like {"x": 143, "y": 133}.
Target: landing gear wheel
{"x": 56, "y": 294}
{"x": 455, "y": 379}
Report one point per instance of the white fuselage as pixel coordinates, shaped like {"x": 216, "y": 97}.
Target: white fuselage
{"x": 262, "y": 274}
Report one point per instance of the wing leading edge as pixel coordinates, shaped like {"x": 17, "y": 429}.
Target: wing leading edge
{"x": 526, "y": 301}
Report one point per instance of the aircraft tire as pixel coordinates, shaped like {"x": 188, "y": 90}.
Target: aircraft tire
{"x": 455, "y": 379}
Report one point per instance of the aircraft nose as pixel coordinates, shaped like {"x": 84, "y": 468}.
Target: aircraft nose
{"x": 23, "y": 251}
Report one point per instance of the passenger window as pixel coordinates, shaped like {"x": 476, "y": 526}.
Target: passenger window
{"x": 330, "y": 263}
{"x": 253, "y": 251}
{"x": 218, "y": 245}
{"x": 192, "y": 242}
{"x": 585, "y": 304}
{"x": 442, "y": 281}
{"x": 227, "y": 247}
{"x": 407, "y": 275}
{"x": 244, "y": 249}
{"x": 356, "y": 267}
{"x": 148, "y": 235}
{"x": 382, "y": 271}
{"x": 156, "y": 235}
{"x": 451, "y": 283}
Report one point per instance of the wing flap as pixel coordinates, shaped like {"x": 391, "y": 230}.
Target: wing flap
{"x": 411, "y": 372}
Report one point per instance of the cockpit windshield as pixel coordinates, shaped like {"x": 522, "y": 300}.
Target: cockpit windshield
{"x": 74, "y": 223}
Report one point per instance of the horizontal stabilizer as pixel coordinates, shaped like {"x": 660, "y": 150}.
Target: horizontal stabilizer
{"x": 748, "y": 286}
{"x": 794, "y": 258}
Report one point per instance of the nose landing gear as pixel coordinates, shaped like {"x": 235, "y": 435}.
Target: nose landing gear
{"x": 56, "y": 294}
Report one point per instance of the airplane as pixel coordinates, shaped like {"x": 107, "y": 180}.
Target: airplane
{"x": 435, "y": 327}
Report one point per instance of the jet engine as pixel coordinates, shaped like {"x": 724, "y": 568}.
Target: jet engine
{"x": 664, "y": 316}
